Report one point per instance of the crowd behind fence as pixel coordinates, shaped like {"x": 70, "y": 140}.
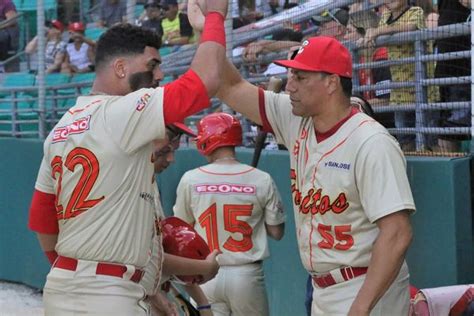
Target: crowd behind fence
{"x": 20, "y": 113}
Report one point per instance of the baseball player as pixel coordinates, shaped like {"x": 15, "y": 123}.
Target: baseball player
{"x": 233, "y": 207}
{"x": 163, "y": 156}
{"x": 351, "y": 195}
{"x": 96, "y": 174}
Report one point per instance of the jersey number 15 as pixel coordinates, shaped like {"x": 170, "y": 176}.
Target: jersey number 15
{"x": 208, "y": 221}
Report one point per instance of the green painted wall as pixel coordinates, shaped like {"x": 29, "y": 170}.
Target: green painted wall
{"x": 441, "y": 253}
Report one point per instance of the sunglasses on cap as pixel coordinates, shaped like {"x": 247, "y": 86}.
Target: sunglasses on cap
{"x": 326, "y": 14}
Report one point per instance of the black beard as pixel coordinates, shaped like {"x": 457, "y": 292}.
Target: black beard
{"x": 141, "y": 80}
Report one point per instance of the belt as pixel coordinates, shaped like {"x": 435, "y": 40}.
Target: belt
{"x": 103, "y": 268}
{"x": 338, "y": 275}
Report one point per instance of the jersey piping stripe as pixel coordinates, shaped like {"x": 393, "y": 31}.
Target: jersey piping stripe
{"x": 82, "y": 109}
{"x": 313, "y": 178}
{"x": 225, "y": 174}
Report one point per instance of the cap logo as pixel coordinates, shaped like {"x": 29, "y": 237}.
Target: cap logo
{"x": 305, "y": 43}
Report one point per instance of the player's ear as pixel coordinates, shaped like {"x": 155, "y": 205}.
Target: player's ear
{"x": 119, "y": 66}
{"x": 332, "y": 83}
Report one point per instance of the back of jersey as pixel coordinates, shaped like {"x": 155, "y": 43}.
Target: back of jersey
{"x": 229, "y": 205}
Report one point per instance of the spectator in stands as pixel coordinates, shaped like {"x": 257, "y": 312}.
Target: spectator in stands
{"x": 8, "y": 30}
{"x": 111, "y": 12}
{"x": 80, "y": 53}
{"x": 244, "y": 12}
{"x": 153, "y": 17}
{"x": 176, "y": 27}
{"x": 450, "y": 12}
{"x": 356, "y": 29}
{"x": 55, "y": 46}
{"x": 400, "y": 17}
{"x": 431, "y": 16}
{"x": 331, "y": 23}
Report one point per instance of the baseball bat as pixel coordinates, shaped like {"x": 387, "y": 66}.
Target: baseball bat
{"x": 275, "y": 85}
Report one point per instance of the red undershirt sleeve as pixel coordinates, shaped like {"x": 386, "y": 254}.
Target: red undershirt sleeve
{"x": 184, "y": 97}
{"x": 42, "y": 217}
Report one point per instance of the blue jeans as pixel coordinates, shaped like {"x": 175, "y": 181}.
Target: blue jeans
{"x": 309, "y": 295}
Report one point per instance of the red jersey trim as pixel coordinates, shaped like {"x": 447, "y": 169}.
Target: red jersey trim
{"x": 225, "y": 174}
{"x": 322, "y": 136}
{"x": 42, "y": 218}
{"x": 184, "y": 97}
{"x": 266, "y": 127}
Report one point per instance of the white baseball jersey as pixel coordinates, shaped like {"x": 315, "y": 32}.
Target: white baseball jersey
{"x": 340, "y": 185}
{"x": 97, "y": 161}
{"x": 152, "y": 277}
{"x": 228, "y": 205}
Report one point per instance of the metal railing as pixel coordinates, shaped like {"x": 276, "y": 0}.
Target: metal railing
{"x": 177, "y": 63}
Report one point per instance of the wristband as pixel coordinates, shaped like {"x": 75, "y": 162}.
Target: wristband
{"x": 203, "y": 307}
{"x": 52, "y": 255}
{"x": 214, "y": 29}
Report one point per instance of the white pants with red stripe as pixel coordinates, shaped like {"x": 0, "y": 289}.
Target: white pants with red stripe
{"x": 238, "y": 291}
{"x": 81, "y": 292}
{"x": 337, "y": 299}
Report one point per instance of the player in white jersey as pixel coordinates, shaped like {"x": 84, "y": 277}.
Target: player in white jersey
{"x": 234, "y": 207}
{"x": 97, "y": 176}
{"x": 351, "y": 195}
{"x": 152, "y": 279}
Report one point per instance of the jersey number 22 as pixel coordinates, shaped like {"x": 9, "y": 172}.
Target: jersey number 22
{"x": 78, "y": 202}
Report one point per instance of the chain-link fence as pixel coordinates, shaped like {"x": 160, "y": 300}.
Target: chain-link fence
{"x": 411, "y": 61}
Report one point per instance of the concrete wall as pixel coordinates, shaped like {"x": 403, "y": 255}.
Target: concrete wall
{"x": 441, "y": 253}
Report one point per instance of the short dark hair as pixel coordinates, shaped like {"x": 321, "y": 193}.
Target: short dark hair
{"x": 346, "y": 84}
{"x": 124, "y": 40}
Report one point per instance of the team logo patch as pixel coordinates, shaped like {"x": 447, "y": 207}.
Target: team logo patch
{"x": 301, "y": 49}
{"x": 79, "y": 126}
{"x": 143, "y": 101}
{"x": 337, "y": 165}
{"x": 225, "y": 188}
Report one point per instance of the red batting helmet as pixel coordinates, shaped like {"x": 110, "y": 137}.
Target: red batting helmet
{"x": 180, "y": 239}
{"x": 218, "y": 130}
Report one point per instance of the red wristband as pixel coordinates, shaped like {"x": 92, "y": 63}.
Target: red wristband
{"x": 52, "y": 255}
{"x": 214, "y": 28}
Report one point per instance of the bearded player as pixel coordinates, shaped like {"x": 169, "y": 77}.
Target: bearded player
{"x": 233, "y": 207}
{"x": 96, "y": 173}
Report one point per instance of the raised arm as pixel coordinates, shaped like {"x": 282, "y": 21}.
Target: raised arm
{"x": 210, "y": 55}
{"x": 234, "y": 90}
{"x": 239, "y": 94}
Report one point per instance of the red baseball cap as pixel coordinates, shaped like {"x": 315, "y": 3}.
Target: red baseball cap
{"x": 76, "y": 27}
{"x": 56, "y": 24}
{"x": 321, "y": 53}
